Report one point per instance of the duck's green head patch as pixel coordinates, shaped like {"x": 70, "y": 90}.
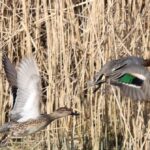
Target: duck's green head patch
{"x": 131, "y": 80}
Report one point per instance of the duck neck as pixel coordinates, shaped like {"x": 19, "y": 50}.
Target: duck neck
{"x": 147, "y": 62}
{"x": 53, "y": 116}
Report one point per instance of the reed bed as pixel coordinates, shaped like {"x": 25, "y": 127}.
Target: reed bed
{"x": 71, "y": 40}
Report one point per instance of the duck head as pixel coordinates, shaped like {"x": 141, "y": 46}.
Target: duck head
{"x": 62, "y": 112}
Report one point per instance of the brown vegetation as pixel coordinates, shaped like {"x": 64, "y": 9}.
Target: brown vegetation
{"x": 71, "y": 40}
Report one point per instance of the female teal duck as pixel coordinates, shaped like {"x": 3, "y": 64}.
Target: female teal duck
{"x": 129, "y": 74}
{"x": 25, "y": 117}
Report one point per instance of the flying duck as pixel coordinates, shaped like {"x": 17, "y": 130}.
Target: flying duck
{"x": 25, "y": 116}
{"x": 129, "y": 74}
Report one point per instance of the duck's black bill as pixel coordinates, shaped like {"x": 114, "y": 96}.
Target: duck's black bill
{"x": 98, "y": 84}
{"x": 75, "y": 113}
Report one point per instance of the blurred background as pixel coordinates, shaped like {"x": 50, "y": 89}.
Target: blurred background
{"x": 71, "y": 40}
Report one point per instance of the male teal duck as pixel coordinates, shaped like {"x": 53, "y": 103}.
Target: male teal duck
{"x": 25, "y": 116}
{"x": 129, "y": 74}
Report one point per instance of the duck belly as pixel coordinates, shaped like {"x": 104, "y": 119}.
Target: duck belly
{"x": 26, "y": 128}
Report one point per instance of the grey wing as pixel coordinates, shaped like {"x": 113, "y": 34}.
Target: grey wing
{"x": 111, "y": 67}
{"x": 126, "y": 62}
{"x": 11, "y": 75}
{"x": 135, "y": 92}
{"x": 131, "y": 60}
{"x": 28, "y": 93}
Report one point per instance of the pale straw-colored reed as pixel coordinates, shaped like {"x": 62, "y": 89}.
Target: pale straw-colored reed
{"x": 71, "y": 40}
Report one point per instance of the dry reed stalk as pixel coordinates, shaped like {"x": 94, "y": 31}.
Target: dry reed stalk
{"x": 71, "y": 41}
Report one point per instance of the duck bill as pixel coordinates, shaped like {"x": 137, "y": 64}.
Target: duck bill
{"x": 99, "y": 83}
{"x": 74, "y": 113}
{"x": 96, "y": 81}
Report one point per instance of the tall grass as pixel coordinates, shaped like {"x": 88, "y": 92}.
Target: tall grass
{"x": 71, "y": 40}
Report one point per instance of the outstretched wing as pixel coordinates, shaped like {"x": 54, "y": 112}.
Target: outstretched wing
{"x": 28, "y": 93}
{"x": 112, "y": 70}
{"x": 11, "y": 75}
{"x": 134, "y": 82}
